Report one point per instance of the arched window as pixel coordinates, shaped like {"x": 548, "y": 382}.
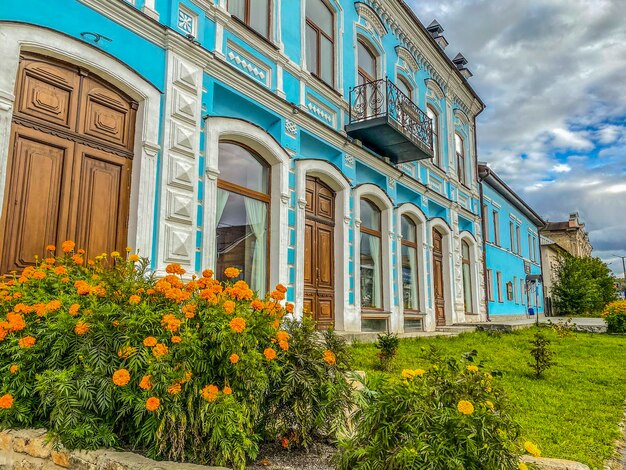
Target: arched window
{"x": 371, "y": 256}
{"x": 243, "y": 205}
{"x": 432, "y": 114}
{"x": 409, "y": 264}
{"x": 404, "y": 86}
{"x": 254, "y": 13}
{"x": 467, "y": 276}
{"x": 320, "y": 40}
{"x": 460, "y": 158}
{"x": 367, "y": 64}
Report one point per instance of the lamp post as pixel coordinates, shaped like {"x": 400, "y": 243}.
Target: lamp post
{"x": 623, "y": 258}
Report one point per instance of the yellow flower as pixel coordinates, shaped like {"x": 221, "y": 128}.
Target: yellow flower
{"x": 411, "y": 374}
{"x": 133, "y": 258}
{"x": 489, "y": 404}
{"x": 465, "y": 407}
{"x": 532, "y": 449}
{"x": 115, "y": 254}
{"x": 523, "y": 466}
{"x": 472, "y": 368}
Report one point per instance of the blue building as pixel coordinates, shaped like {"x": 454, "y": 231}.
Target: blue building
{"x": 512, "y": 249}
{"x": 327, "y": 145}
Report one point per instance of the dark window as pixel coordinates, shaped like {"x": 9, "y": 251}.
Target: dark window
{"x": 254, "y": 13}
{"x": 467, "y": 276}
{"x": 460, "y": 158}
{"x": 434, "y": 117}
{"x": 320, "y": 40}
{"x": 367, "y": 63}
{"x": 410, "y": 275}
{"x": 371, "y": 256}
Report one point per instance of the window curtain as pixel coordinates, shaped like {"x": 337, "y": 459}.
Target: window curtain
{"x": 377, "y": 275}
{"x": 413, "y": 290}
{"x": 256, "y": 212}
{"x": 222, "y": 199}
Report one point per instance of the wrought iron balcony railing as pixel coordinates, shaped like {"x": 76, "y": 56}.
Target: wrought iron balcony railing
{"x": 387, "y": 121}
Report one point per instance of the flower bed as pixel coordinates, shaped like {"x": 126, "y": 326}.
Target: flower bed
{"x": 102, "y": 354}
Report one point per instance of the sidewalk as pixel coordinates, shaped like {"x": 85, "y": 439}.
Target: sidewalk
{"x": 590, "y": 324}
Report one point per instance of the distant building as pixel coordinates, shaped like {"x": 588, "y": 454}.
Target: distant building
{"x": 550, "y": 253}
{"x": 511, "y": 237}
{"x": 570, "y": 235}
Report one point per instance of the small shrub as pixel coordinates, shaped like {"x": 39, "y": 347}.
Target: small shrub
{"x": 387, "y": 345}
{"x": 102, "y": 354}
{"x": 453, "y": 415}
{"x": 563, "y": 329}
{"x": 615, "y": 316}
{"x": 542, "y": 354}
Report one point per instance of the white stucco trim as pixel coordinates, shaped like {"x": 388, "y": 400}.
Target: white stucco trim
{"x": 475, "y": 271}
{"x": 15, "y": 38}
{"x": 236, "y": 130}
{"x": 417, "y": 216}
{"x": 448, "y": 268}
{"x": 345, "y": 318}
{"x": 384, "y": 203}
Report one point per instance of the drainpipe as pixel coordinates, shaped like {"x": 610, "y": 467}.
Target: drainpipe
{"x": 481, "y": 177}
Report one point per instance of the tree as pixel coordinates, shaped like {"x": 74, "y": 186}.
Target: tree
{"x": 583, "y": 285}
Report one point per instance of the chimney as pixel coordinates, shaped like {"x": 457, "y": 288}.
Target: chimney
{"x": 573, "y": 219}
{"x": 435, "y": 31}
{"x": 460, "y": 61}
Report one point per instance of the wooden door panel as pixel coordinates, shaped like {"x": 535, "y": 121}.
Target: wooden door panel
{"x": 325, "y": 203}
{"x": 438, "y": 284}
{"x": 324, "y": 250}
{"x": 48, "y": 92}
{"x": 106, "y": 115}
{"x": 309, "y": 262}
{"x": 325, "y": 310}
{"x": 308, "y": 304}
{"x": 101, "y": 192}
{"x": 34, "y": 197}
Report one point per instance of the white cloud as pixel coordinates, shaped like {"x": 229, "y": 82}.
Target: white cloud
{"x": 561, "y": 168}
{"x": 565, "y": 139}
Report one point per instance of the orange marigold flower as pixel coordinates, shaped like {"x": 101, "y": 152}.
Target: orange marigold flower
{"x": 15, "y": 321}
{"x": 175, "y": 269}
{"x": 65, "y": 279}
{"x": 51, "y": 248}
{"x": 170, "y": 322}
{"x": 160, "y": 350}
{"x": 146, "y": 382}
{"x": 82, "y": 288}
{"x": 227, "y": 390}
{"x": 281, "y": 288}
{"x": 27, "y": 342}
{"x": 126, "y": 351}
{"x": 277, "y": 295}
{"x": 209, "y": 393}
{"x": 231, "y": 272}
{"x": 150, "y": 341}
{"x": 189, "y": 310}
{"x": 81, "y": 328}
{"x": 330, "y": 358}
{"x": 176, "y": 339}
{"x": 53, "y": 305}
{"x": 153, "y": 404}
{"x": 79, "y": 260}
{"x": 465, "y": 407}
{"x": 115, "y": 323}
{"x": 121, "y": 377}
{"x": 68, "y": 246}
{"x": 276, "y": 324}
{"x": 229, "y": 306}
{"x": 134, "y": 299}
{"x": 238, "y": 324}
{"x": 269, "y": 354}
{"x": 73, "y": 310}
{"x": 289, "y": 308}
{"x": 133, "y": 258}
{"x": 174, "y": 389}
{"x": 257, "y": 304}
{"x": 60, "y": 270}
{"x": 207, "y": 273}
{"x": 115, "y": 254}
{"x": 234, "y": 358}
{"x": 39, "y": 275}
{"x": 50, "y": 260}
{"x": 282, "y": 336}
{"x": 284, "y": 442}
{"x": 6, "y": 401}
{"x": 40, "y": 309}
{"x": 284, "y": 345}
{"x": 14, "y": 368}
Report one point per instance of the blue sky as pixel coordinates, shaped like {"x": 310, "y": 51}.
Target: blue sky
{"x": 553, "y": 76}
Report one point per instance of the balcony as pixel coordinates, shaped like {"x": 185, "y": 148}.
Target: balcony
{"x": 388, "y": 122}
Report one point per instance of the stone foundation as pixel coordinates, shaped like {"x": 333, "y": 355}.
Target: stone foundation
{"x": 27, "y": 449}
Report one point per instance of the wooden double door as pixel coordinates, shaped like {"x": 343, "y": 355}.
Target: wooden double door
{"x": 69, "y": 165}
{"x": 319, "y": 243}
{"x": 438, "y": 285}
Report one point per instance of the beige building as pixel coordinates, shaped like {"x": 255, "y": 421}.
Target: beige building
{"x": 569, "y": 235}
{"x": 550, "y": 253}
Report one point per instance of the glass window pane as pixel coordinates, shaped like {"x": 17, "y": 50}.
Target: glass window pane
{"x": 320, "y": 14}
{"x": 371, "y": 272}
{"x": 435, "y": 123}
{"x": 404, "y": 87}
{"x": 370, "y": 215}
{"x": 458, "y": 142}
{"x": 237, "y": 8}
{"x": 259, "y": 16}
{"x": 467, "y": 288}
{"x": 326, "y": 60}
{"x": 408, "y": 229}
{"x": 466, "y": 251}
{"x": 242, "y": 238}
{"x": 409, "y": 278}
{"x": 239, "y": 166}
{"x": 311, "y": 49}
{"x": 366, "y": 60}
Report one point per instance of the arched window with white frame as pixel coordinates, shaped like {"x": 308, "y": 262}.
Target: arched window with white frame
{"x": 371, "y": 273}
{"x": 467, "y": 276}
{"x": 409, "y": 264}
{"x": 459, "y": 146}
{"x": 242, "y": 214}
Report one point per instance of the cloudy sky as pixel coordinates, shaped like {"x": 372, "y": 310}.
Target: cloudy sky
{"x": 553, "y": 76}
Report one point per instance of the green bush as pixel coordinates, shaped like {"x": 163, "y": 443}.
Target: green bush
{"x": 542, "y": 355}
{"x": 452, "y": 416}
{"x": 387, "y": 346}
{"x": 615, "y": 316}
{"x": 102, "y": 354}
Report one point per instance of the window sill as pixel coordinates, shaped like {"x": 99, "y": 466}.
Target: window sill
{"x": 414, "y": 314}
{"x": 258, "y": 35}
{"x": 330, "y": 88}
{"x": 375, "y": 313}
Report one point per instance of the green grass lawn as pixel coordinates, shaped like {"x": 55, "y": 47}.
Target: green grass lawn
{"x": 572, "y": 413}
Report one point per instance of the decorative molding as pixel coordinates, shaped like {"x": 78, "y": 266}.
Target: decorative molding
{"x": 372, "y": 21}
{"x": 434, "y": 91}
{"x": 248, "y": 64}
{"x": 291, "y": 128}
{"x": 321, "y": 111}
{"x": 407, "y": 58}
{"x": 348, "y": 160}
{"x": 187, "y": 21}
